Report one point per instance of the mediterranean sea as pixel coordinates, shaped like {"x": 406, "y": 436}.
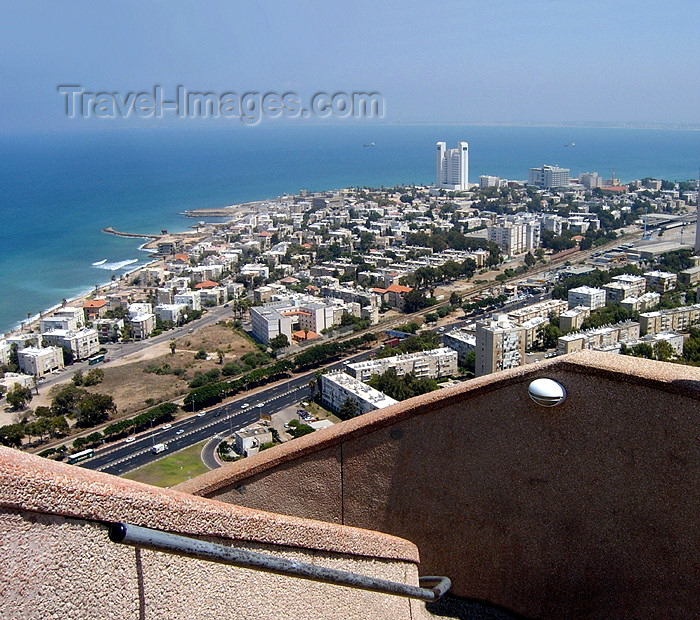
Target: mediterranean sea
{"x": 58, "y": 191}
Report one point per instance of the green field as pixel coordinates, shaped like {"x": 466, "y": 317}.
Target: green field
{"x": 173, "y": 469}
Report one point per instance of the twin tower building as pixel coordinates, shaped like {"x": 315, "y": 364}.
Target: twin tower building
{"x": 453, "y": 167}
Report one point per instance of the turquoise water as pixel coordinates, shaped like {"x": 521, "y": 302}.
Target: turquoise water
{"x": 58, "y": 191}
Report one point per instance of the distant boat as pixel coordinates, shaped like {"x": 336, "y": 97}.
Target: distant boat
{"x": 571, "y": 144}
{"x": 100, "y": 262}
{"x": 370, "y": 144}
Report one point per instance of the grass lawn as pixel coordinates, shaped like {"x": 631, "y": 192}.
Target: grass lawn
{"x": 172, "y": 469}
{"x": 321, "y": 413}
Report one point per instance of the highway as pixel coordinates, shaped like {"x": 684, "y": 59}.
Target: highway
{"x": 221, "y": 420}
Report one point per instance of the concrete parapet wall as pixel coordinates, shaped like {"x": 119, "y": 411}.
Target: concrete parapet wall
{"x": 585, "y": 510}
{"x": 58, "y": 561}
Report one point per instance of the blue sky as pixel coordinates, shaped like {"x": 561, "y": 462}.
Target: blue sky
{"x": 502, "y": 61}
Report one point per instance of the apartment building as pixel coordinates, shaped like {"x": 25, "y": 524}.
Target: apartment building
{"x": 500, "y": 344}
{"x": 643, "y": 303}
{"x": 540, "y": 309}
{"x": 299, "y": 313}
{"x": 573, "y": 319}
{"x": 40, "y": 361}
{"x": 432, "y": 364}
{"x": 337, "y": 387}
{"x": 109, "y": 330}
{"x": 461, "y": 340}
{"x": 172, "y": 313}
{"x": 674, "y": 320}
{"x": 591, "y": 298}
{"x": 599, "y": 338}
{"x": 549, "y": 177}
{"x": 660, "y": 281}
{"x": 82, "y": 343}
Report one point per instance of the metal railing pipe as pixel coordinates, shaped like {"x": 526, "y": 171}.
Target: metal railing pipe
{"x": 191, "y": 547}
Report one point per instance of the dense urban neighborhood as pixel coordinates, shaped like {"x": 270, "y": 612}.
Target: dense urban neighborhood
{"x": 434, "y": 284}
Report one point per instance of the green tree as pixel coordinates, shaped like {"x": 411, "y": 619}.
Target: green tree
{"x": 94, "y": 409}
{"x": 12, "y": 435}
{"x": 530, "y": 259}
{"x": 279, "y": 342}
{"x": 94, "y": 377}
{"x": 18, "y": 397}
{"x": 66, "y": 401}
{"x": 663, "y": 351}
{"x": 348, "y": 409}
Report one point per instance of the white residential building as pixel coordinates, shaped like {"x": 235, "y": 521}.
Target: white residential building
{"x": 599, "y": 338}
{"x": 5, "y": 350}
{"x": 643, "y": 303}
{"x": 249, "y": 439}
{"x": 170, "y": 312}
{"x": 299, "y": 313}
{"x": 109, "y": 330}
{"x": 256, "y": 270}
{"x": 452, "y": 167}
{"x": 82, "y": 343}
{"x": 540, "y": 309}
{"x": 515, "y": 237}
{"x": 499, "y": 345}
{"x": 433, "y": 364}
{"x": 462, "y": 341}
{"x": 674, "y": 320}
{"x": 142, "y": 325}
{"x": 660, "y": 281}
{"x": 38, "y": 362}
{"x": 591, "y": 298}
{"x": 549, "y": 177}
{"x": 64, "y": 318}
{"x": 191, "y": 299}
{"x": 337, "y": 387}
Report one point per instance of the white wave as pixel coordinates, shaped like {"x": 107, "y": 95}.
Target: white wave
{"x": 99, "y": 262}
{"x": 119, "y": 265}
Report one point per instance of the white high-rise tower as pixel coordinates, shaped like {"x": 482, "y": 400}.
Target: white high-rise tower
{"x": 452, "y": 167}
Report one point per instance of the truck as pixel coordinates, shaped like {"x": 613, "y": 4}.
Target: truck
{"x": 159, "y": 447}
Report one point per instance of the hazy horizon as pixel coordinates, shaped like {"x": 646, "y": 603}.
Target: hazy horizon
{"x": 545, "y": 62}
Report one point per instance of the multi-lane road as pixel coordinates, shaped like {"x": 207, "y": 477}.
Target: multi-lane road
{"x": 221, "y": 420}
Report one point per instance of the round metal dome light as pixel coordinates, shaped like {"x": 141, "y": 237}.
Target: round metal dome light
{"x": 547, "y": 392}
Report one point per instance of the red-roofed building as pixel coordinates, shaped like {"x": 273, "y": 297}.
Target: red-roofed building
{"x": 206, "y": 284}
{"x": 393, "y": 295}
{"x": 289, "y": 280}
{"x": 182, "y": 258}
{"x": 94, "y": 309}
{"x": 303, "y": 335}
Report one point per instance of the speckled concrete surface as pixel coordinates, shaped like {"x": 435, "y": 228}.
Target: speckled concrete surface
{"x": 29, "y": 482}
{"x": 58, "y": 568}
{"x": 59, "y": 563}
{"x": 586, "y": 510}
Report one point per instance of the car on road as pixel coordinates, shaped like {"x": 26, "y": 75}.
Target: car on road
{"x": 260, "y": 405}
{"x": 179, "y": 431}
{"x": 130, "y": 439}
{"x": 201, "y": 414}
{"x": 245, "y": 405}
{"x": 167, "y": 426}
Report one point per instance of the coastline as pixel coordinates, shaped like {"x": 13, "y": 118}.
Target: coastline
{"x": 102, "y": 288}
